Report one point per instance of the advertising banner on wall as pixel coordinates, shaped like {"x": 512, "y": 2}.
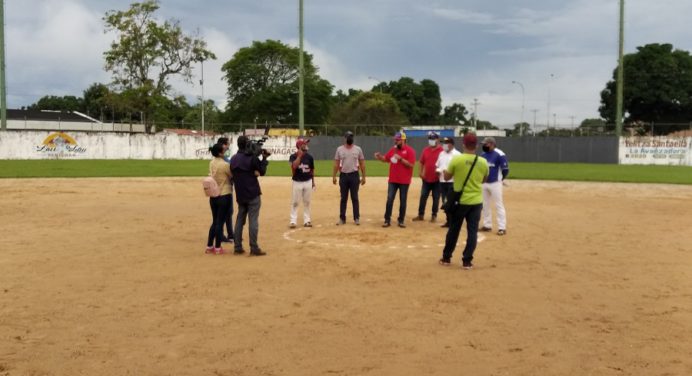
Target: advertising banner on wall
{"x": 105, "y": 145}
{"x": 656, "y": 151}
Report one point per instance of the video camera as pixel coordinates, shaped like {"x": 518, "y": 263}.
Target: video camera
{"x": 254, "y": 146}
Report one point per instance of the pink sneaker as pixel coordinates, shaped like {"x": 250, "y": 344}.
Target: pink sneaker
{"x": 219, "y": 251}
{"x": 209, "y": 250}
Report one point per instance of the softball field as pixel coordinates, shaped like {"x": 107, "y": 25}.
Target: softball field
{"x": 109, "y": 277}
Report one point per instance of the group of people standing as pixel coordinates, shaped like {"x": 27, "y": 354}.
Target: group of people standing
{"x": 240, "y": 173}
{"x": 444, "y": 171}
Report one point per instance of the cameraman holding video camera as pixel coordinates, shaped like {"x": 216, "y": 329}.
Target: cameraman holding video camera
{"x": 246, "y": 168}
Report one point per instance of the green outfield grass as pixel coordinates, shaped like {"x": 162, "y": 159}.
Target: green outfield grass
{"x": 138, "y": 168}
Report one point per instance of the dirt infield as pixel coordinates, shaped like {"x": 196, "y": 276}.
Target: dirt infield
{"x": 108, "y": 277}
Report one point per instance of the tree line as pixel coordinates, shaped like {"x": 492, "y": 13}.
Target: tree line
{"x": 262, "y": 81}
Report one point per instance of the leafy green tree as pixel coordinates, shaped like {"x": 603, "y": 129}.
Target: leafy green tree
{"x": 95, "y": 100}
{"x": 55, "y": 103}
{"x": 454, "y": 114}
{"x": 521, "y": 129}
{"x": 657, "y": 87}
{"x": 420, "y": 102}
{"x": 341, "y": 97}
{"x": 263, "y": 85}
{"x": 485, "y": 125}
{"x": 379, "y": 112}
{"x": 147, "y": 53}
{"x": 212, "y": 116}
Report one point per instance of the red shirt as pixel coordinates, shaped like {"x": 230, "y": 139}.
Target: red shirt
{"x": 398, "y": 173}
{"x": 428, "y": 160}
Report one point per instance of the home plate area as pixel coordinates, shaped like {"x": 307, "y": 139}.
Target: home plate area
{"x": 369, "y": 235}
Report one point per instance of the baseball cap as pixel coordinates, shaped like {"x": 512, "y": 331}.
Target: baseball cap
{"x": 470, "y": 140}
{"x": 433, "y": 135}
{"x": 400, "y": 136}
{"x": 348, "y": 133}
{"x": 448, "y": 140}
{"x": 301, "y": 142}
{"x": 490, "y": 140}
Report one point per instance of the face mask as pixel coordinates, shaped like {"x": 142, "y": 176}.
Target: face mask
{"x": 399, "y": 146}
{"x": 305, "y": 148}
{"x": 449, "y": 147}
{"x": 431, "y": 142}
{"x": 486, "y": 148}
{"x": 349, "y": 140}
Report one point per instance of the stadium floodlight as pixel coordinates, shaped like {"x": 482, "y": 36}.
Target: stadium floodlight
{"x": 301, "y": 77}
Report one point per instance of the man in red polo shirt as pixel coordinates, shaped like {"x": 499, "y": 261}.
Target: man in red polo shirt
{"x": 429, "y": 176}
{"x": 401, "y": 159}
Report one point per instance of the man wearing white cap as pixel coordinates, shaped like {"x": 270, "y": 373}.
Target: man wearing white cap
{"x": 492, "y": 188}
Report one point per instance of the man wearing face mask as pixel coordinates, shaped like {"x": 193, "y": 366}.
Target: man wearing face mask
{"x": 448, "y": 152}
{"x": 429, "y": 177}
{"x": 348, "y": 160}
{"x": 303, "y": 172}
{"x": 401, "y": 159}
{"x": 492, "y": 188}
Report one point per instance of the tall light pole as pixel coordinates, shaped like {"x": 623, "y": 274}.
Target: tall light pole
{"x": 3, "y": 86}
{"x": 301, "y": 79}
{"x": 621, "y": 73}
{"x": 547, "y": 114}
{"x": 523, "y": 103}
{"x": 475, "y": 112}
{"x": 201, "y": 83}
{"x": 535, "y": 111}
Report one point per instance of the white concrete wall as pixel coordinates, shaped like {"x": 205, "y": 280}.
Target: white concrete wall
{"x": 676, "y": 151}
{"x": 106, "y": 145}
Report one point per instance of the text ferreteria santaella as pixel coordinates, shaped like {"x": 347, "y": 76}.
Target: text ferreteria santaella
{"x": 656, "y": 144}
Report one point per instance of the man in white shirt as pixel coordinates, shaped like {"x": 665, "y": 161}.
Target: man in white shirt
{"x": 448, "y": 152}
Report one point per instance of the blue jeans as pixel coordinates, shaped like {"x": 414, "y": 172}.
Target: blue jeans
{"x": 249, "y": 210}
{"x": 472, "y": 215}
{"x": 425, "y": 190}
{"x": 219, "y": 211}
{"x": 229, "y": 220}
{"x": 391, "y": 193}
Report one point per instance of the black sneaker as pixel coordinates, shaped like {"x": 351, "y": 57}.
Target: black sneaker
{"x": 341, "y": 222}
{"x": 418, "y": 218}
{"x": 433, "y": 219}
{"x": 467, "y": 265}
{"x": 502, "y": 232}
{"x": 445, "y": 262}
{"x": 357, "y": 221}
{"x": 227, "y": 240}
{"x": 307, "y": 224}
{"x": 386, "y": 224}
{"x": 258, "y": 252}
{"x": 486, "y": 229}
{"x": 239, "y": 252}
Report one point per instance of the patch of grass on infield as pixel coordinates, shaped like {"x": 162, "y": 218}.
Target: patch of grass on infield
{"x": 157, "y": 168}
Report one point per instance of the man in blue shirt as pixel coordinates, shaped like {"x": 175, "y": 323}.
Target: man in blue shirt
{"x": 492, "y": 188}
{"x": 246, "y": 168}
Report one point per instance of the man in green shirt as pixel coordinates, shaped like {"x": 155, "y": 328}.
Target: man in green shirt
{"x": 471, "y": 201}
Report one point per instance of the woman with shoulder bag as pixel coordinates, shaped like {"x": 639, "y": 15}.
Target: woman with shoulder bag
{"x": 220, "y": 171}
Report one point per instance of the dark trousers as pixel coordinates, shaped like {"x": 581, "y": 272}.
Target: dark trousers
{"x": 445, "y": 188}
{"x": 425, "y": 190}
{"x": 349, "y": 182}
{"x": 219, "y": 212}
{"x": 250, "y": 211}
{"x": 472, "y": 215}
{"x": 229, "y": 220}
{"x": 391, "y": 193}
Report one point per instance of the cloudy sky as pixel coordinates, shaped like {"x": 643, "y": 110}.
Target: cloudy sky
{"x": 562, "y": 50}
